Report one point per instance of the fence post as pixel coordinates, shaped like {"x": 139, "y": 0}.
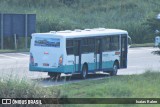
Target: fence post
{"x": 15, "y": 41}
{"x": 26, "y": 31}
{"x": 1, "y": 31}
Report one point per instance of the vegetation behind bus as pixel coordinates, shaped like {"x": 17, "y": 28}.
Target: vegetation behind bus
{"x": 137, "y": 17}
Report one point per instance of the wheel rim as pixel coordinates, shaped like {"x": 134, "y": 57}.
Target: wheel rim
{"x": 115, "y": 69}
{"x": 84, "y": 73}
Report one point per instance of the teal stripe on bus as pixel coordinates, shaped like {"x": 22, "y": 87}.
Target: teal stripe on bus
{"x": 70, "y": 68}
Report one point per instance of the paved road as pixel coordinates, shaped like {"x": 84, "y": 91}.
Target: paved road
{"x": 16, "y": 65}
{"x": 140, "y": 60}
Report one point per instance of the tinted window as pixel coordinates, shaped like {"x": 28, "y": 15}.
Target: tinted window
{"x": 106, "y": 43}
{"x": 87, "y": 45}
{"x": 115, "y": 43}
{"x": 91, "y": 43}
{"x": 76, "y": 47}
{"x": 111, "y": 43}
{"x": 70, "y": 47}
{"x": 69, "y": 43}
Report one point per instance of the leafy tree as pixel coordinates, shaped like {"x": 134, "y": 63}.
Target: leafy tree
{"x": 153, "y": 24}
{"x": 69, "y": 2}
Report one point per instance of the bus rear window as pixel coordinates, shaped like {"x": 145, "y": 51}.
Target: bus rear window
{"x": 47, "y": 42}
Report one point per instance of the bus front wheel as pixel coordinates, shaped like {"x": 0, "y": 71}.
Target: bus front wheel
{"x": 84, "y": 72}
{"x": 115, "y": 69}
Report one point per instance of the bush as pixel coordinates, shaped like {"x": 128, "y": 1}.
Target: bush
{"x": 23, "y": 88}
{"x": 16, "y": 88}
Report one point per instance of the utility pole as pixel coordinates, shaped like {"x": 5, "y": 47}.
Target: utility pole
{"x": 2, "y": 31}
{"x": 26, "y": 31}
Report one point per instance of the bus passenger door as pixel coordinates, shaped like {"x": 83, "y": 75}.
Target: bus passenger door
{"x": 124, "y": 49}
{"x": 77, "y": 53}
{"x": 98, "y": 54}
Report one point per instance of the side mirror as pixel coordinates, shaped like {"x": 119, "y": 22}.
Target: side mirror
{"x": 129, "y": 41}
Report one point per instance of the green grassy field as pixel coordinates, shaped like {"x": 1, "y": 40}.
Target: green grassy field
{"x": 123, "y": 86}
{"x": 127, "y": 86}
{"x": 142, "y": 45}
{"x": 12, "y": 51}
{"x": 131, "y": 86}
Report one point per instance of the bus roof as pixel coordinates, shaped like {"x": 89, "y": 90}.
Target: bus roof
{"x": 83, "y": 33}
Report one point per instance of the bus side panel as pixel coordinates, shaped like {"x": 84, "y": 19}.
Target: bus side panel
{"x": 115, "y": 57}
{"x": 107, "y": 60}
{"x": 89, "y": 59}
{"x": 69, "y": 68}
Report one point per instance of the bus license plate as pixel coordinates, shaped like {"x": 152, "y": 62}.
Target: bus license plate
{"x": 45, "y": 64}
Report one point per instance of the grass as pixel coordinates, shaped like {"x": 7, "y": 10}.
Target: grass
{"x": 132, "y": 86}
{"x": 142, "y": 45}
{"x": 12, "y": 87}
{"x": 128, "y": 86}
{"x": 11, "y": 50}
{"x": 7, "y": 50}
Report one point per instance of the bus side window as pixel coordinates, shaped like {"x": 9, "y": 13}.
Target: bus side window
{"x": 106, "y": 43}
{"x": 115, "y": 43}
{"x": 69, "y": 47}
{"x": 87, "y": 45}
{"x": 76, "y": 48}
{"x": 84, "y": 45}
{"x": 91, "y": 45}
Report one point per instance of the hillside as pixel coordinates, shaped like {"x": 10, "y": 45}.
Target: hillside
{"x": 130, "y": 15}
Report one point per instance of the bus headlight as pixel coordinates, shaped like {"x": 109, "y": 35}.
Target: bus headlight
{"x": 60, "y": 60}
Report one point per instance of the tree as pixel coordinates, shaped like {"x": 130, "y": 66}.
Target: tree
{"x": 153, "y": 24}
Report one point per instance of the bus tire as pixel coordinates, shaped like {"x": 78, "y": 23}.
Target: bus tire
{"x": 115, "y": 69}
{"x": 84, "y": 72}
{"x": 54, "y": 75}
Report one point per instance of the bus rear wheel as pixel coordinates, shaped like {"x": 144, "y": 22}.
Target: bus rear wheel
{"x": 84, "y": 72}
{"x": 115, "y": 70}
{"x": 54, "y": 75}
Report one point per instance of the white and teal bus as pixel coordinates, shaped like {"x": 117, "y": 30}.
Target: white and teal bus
{"x": 79, "y": 51}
